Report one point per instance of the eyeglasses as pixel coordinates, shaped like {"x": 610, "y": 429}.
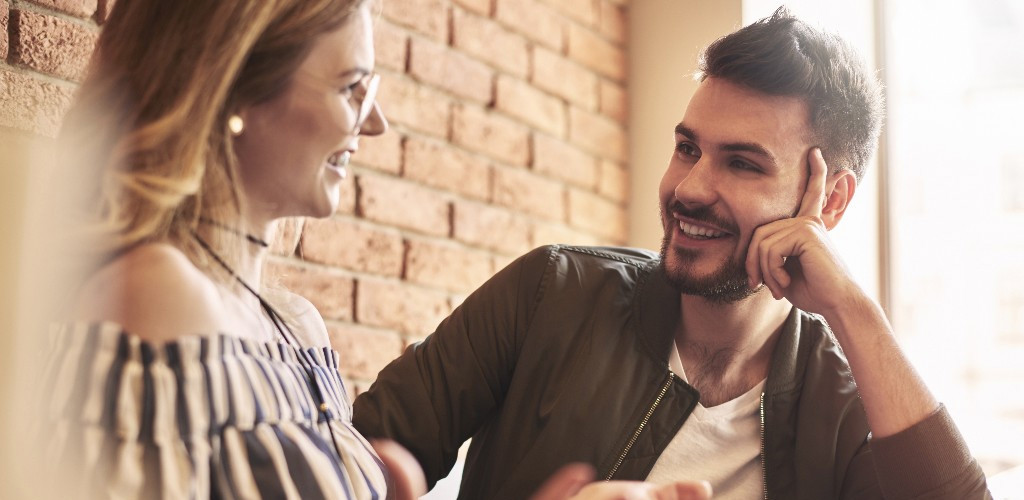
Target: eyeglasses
{"x": 363, "y": 98}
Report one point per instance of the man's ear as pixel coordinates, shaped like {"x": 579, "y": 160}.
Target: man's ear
{"x": 840, "y": 187}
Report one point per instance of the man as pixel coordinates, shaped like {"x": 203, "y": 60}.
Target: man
{"x": 731, "y": 356}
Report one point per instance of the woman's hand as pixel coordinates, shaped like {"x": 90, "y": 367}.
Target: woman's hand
{"x": 576, "y": 482}
{"x": 406, "y": 481}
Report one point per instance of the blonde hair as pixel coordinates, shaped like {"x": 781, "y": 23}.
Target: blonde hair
{"x": 150, "y": 121}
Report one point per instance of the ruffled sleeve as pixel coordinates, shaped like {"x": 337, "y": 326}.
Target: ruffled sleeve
{"x": 202, "y": 417}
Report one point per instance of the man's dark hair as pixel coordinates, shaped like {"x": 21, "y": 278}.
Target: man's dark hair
{"x": 782, "y": 55}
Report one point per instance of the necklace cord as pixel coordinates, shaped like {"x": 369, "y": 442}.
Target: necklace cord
{"x": 290, "y": 339}
{"x": 220, "y": 225}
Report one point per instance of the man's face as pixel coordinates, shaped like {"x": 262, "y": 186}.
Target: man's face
{"x": 740, "y": 161}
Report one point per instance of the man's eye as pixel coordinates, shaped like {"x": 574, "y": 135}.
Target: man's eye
{"x": 687, "y": 149}
{"x": 742, "y": 165}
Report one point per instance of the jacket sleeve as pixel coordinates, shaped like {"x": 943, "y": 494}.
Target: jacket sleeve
{"x": 440, "y": 391}
{"x": 928, "y": 460}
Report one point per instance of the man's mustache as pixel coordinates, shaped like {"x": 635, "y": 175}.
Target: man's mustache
{"x": 704, "y": 214}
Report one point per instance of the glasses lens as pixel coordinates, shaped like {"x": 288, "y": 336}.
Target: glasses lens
{"x": 367, "y": 97}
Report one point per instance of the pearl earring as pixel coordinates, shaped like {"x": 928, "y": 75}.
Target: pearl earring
{"x": 236, "y": 125}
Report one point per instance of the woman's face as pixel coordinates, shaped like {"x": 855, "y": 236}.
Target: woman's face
{"x": 291, "y": 145}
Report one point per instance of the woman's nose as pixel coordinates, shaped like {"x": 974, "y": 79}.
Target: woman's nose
{"x": 375, "y": 123}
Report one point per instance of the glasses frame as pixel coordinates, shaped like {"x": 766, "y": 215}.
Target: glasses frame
{"x": 364, "y": 98}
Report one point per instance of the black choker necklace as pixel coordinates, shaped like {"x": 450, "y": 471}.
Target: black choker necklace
{"x": 220, "y": 225}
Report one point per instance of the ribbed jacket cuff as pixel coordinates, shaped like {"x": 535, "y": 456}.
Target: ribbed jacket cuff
{"x": 914, "y": 461}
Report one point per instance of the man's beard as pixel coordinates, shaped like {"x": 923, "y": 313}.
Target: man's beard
{"x": 726, "y": 284}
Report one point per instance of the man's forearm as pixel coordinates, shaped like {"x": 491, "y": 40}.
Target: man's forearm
{"x": 894, "y": 395}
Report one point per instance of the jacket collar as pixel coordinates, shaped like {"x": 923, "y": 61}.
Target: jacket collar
{"x": 656, "y": 307}
{"x": 656, "y": 312}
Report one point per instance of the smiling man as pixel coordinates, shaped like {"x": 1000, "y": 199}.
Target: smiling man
{"x": 744, "y": 354}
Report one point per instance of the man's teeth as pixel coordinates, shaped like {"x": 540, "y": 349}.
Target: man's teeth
{"x": 699, "y": 232}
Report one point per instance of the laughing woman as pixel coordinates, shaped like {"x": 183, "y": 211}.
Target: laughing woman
{"x": 177, "y": 374}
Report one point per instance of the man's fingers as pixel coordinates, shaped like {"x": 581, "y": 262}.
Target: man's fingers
{"x": 406, "y": 475}
{"x": 814, "y": 196}
{"x": 565, "y": 483}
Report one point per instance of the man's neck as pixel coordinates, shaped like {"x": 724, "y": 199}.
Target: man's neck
{"x": 726, "y": 348}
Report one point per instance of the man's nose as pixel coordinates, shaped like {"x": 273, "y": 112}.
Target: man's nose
{"x": 697, "y": 187}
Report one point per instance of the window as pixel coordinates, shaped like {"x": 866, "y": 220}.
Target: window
{"x": 955, "y": 76}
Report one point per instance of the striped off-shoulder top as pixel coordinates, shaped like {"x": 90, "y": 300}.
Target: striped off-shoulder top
{"x": 201, "y": 417}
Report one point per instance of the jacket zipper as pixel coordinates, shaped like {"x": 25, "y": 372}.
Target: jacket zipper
{"x": 764, "y": 468}
{"x": 640, "y": 428}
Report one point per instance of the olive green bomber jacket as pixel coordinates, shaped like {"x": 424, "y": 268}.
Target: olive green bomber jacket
{"x": 562, "y": 357}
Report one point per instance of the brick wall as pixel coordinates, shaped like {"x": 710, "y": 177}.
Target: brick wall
{"x": 508, "y": 132}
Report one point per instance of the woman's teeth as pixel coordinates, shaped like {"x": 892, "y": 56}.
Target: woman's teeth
{"x": 339, "y": 159}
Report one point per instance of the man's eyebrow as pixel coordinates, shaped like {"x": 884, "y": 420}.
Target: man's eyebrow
{"x": 750, "y": 147}
{"x": 747, "y": 147}
{"x": 687, "y": 131}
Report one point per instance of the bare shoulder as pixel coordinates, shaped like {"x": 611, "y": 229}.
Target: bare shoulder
{"x": 311, "y": 329}
{"x": 153, "y": 291}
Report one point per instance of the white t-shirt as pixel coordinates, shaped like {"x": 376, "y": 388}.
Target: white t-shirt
{"x": 721, "y": 445}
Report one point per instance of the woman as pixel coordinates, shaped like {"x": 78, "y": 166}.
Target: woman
{"x": 178, "y": 374}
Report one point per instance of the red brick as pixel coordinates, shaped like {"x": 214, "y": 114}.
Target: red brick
{"x": 407, "y": 103}
{"x": 597, "y": 133}
{"x": 596, "y": 53}
{"x": 520, "y": 100}
{"x": 429, "y": 17}
{"x": 330, "y": 292}
{"x": 399, "y": 305}
{"x": 443, "y": 264}
{"x": 583, "y": 11}
{"x": 490, "y": 227}
{"x": 382, "y": 152}
{"x": 32, "y": 105}
{"x": 4, "y": 18}
{"x": 444, "y": 166}
{"x": 78, "y": 8}
{"x": 612, "y": 21}
{"x": 545, "y": 233}
{"x": 286, "y": 238}
{"x": 499, "y": 262}
{"x": 492, "y": 135}
{"x": 49, "y": 44}
{"x": 534, "y": 20}
{"x": 490, "y": 42}
{"x": 563, "y": 161}
{"x": 442, "y": 67}
{"x": 613, "y": 101}
{"x": 363, "y": 351}
{"x": 564, "y": 78}
{"x": 400, "y": 203}
{"x": 349, "y": 244}
{"x": 597, "y": 215}
{"x": 482, "y": 7}
{"x": 529, "y": 192}
{"x": 347, "y": 195}
{"x": 614, "y": 182}
{"x": 391, "y": 45}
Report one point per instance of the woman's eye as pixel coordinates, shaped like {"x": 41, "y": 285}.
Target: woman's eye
{"x": 687, "y": 149}
{"x": 350, "y": 89}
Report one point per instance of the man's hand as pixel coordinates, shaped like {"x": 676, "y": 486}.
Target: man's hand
{"x": 574, "y": 482}
{"x": 794, "y": 257}
{"x": 795, "y": 260}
